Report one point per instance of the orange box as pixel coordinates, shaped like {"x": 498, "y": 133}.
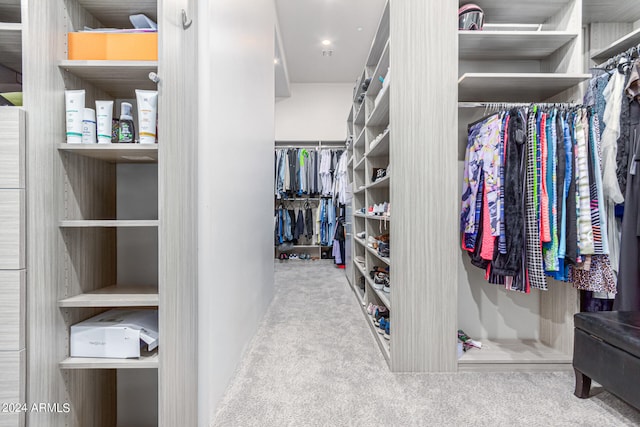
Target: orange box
{"x": 113, "y": 46}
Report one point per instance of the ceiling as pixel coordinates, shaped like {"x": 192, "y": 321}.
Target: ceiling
{"x": 303, "y": 24}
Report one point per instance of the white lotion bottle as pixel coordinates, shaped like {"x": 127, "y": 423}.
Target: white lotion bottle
{"x": 74, "y": 107}
{"x": 104, "y": 115}
{"x": 89, "y": 126}
{"x": 147, "y": 101}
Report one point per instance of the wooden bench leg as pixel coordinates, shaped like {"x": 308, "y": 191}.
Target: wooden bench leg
{"x": 583, "y": 385}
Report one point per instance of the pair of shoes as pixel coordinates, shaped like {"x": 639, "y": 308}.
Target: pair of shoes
{"x": 378, "y": 139}
{"x": 383, "y": 250}
{"x": 371, "y": 309}
{"x": 383, "y": 326}
{"x": 304, "y": 256}
{"x": 378, "y": 173}
{"x": 380, "y": 280}
{"x": 366, "y": 83}
{"x": 387, "y": 332}
{"x": 283, "y": 257}
{"x": 293, "y": 257}
{"x": 381, "y": 312}
{"x": 361, "y": 235}
{"x": 372, "y": 242}
{"x": 387, "y": 287}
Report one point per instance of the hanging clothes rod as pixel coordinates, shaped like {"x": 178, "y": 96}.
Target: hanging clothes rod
{"x": 628, "y": 54}
{"x": 507, "y": 105}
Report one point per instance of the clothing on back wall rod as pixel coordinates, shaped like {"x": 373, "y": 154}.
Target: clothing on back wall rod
{"x": 305, "y": 171}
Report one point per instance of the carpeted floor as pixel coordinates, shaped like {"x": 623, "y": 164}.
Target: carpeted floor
{"x": 314, "y": 362}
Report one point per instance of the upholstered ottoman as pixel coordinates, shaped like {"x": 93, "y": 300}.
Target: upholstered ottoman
{"x": 607, "y": 350}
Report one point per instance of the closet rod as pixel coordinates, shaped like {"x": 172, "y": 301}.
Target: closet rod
{"x": 505, "y": 105}
{"x": 613, "y": 61}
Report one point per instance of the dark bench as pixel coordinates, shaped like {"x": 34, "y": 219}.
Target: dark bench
{"x": 607, "y": 350}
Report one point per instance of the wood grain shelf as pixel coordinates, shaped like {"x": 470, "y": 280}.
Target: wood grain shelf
{"x": 10, "y": 11}
{"x": 512, "y": 87}
{"x": 360, "y": 241}
{"x": 380, "y": 114}
{"x": 381, "y": 258}
{"x": 149, "y": 361}
{"x": 512, "y": 352}
{"x": 382, "y": 295}
{"x": 380, "y": 40}
{"x": 115, "y": 13}
{"x": 511, "y": 44}
{"x": 108, "y": 223}
{"x": 115, "y": 296}
{"x": 359, "y": 116}
{"x": 114, "y": 153}
{"x": 119, "y": 79}
{"x": 622, "y": 44}
{"x": 383, "y": 343}
{"x": 381, "y": 70}
{"x": 359, "y": 140}
{"x": 381, "y": 149}
{"x": 381, "y": 183}
{"x": 359, "y": 165}
{"x": 603, "y": 11}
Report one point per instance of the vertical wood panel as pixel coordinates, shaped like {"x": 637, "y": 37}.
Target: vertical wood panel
{"x": 12, "y": 229}
{"x": 12, "y": 138}
{"x": 557, "y": 307}
{"x": 50, "y": 259}
{"x": 423, "y": 120}
{"x": 12, "y": 310}
{"x": 177, "y": 179}
{"x": 12, "y": 385}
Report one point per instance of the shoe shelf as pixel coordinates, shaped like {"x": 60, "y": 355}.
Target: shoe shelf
{"x": 381, "y": 258}
{"x": 360, "y": 268}
{"x": 381, "y": 149}
{"x": 149, "y": 361}
{"x": 114, "y": 153}
{"x": 381, "y": 183}
{"x": 115, "y": 296}
{"x": 360, "y": 242}
{"x": 108, "y": 223}
{"x": 380, "y": 114}
{"x": 383, "y": 343}
{"x": 610, "y": 11}
{"x": 359, "y": 116}
{"x": 119, "y": 79}
{"x": 378, "y": 217}
{"x": 381, "y": 70}
{"x": 360, "y": 165}
{"x": 385, "y": 298}
{"x": 485, "y": 45}
{"x": 622, "y": 44}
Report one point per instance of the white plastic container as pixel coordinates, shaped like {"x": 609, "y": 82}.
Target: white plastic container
{"x": 74, "y": 107}
{"x": 147, "y": 101}
{"x": 89, "y": 126}
{"x": 104, "y": 115}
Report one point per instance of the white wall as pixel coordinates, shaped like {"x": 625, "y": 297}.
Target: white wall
{"x": 314, "y": 112}
{"x": 235, "y": 186}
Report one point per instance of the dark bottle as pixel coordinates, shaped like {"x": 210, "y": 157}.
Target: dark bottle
{"x": 126, "y": 130}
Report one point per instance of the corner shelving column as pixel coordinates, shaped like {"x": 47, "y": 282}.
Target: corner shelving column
{"x": 530, "y": 331}
{"x": 75, "y": 226}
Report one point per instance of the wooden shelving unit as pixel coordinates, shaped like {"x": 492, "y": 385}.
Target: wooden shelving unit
{"x": 622, "y": 44}
{"x": 80, "y": 200}
{"x": 553, "y": 73}
{"x": 366, "y": 192}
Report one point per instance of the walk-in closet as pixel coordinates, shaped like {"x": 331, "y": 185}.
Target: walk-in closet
{"x": 300, "y": 202}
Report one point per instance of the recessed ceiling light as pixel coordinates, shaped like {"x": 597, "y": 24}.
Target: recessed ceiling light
{"x": 276, "y": 61}
{"x": 359, "y": 28}
{"x": 326, "y": 42}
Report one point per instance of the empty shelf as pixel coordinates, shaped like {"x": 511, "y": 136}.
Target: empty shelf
{"x": 149, "y": 361}
{"x": 108, "y": 223}
{"x": 511, "y": 44}
{"x": 603, "y": 11}
{"x": 11, "y": 46}
{"x": 630, "y": 40}
{"x": 119, "y": 79}
{"x": 114, "y": 153}
{"x": 115, "y": 13}
{"x": 513, "y": 352}
{"x": 115, "y": 296}
{"x": 512, "y": 87}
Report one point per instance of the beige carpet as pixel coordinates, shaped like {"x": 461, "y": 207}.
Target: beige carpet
{"x": 314, "y": 362}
